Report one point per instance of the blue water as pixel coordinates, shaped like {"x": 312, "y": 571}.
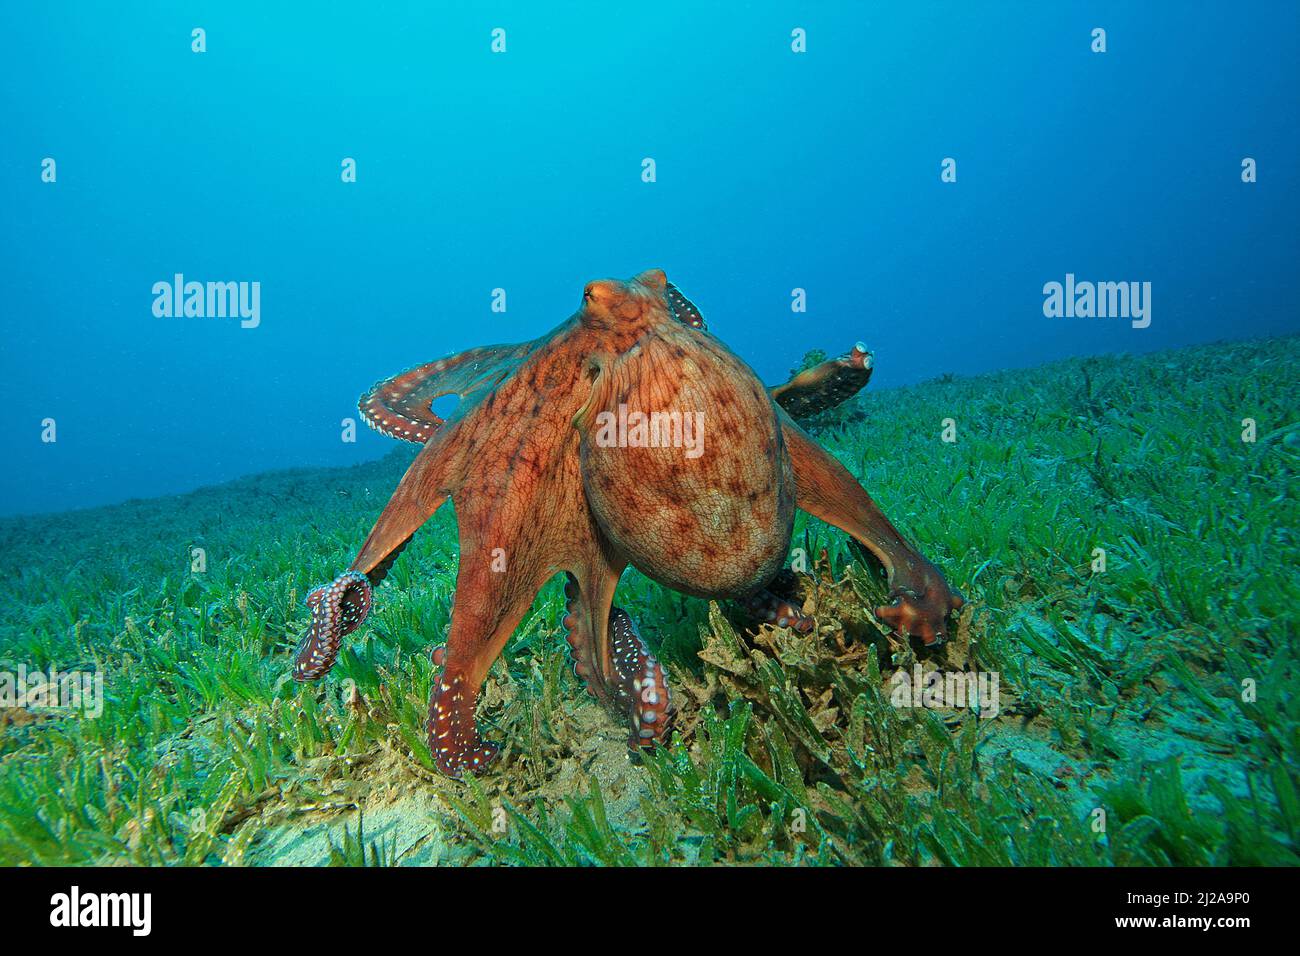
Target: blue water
{"x": 523, "y": 171}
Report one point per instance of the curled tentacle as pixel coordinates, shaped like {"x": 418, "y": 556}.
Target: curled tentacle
{"x": 399, "y": 407}
{"x": 337, "y": 609}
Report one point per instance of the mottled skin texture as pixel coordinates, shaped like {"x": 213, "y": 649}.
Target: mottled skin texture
{"x": 538, "y": 490}
{"x": 717, "y": 525}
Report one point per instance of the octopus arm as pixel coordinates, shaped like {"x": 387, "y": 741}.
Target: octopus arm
{"x": 920, "y": 598}
{"x": 401, "y": 406}
{"x": 339, "y": 608}
{"x": 683, "y": 309}
{"x": 827, "y": 385}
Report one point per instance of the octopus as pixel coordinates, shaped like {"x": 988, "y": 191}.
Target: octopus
{"x": 627, "y": 435}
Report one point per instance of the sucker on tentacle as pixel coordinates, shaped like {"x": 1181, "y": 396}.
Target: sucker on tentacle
{"x": 642, "y": 684}
{"x": 580, "y": 652}
{"x": 388, "y": 407}
{"x": 683, "y": 309}
{"x": 400, "y": 406}
{"x": 337, "y": 609}
{"x": 453, "y": 738}
{"x": 769, "y": 605}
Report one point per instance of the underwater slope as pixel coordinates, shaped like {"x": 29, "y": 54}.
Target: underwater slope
{"x": 1146, "y": 712}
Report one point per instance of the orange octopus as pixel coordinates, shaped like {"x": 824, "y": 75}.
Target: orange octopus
{"x": 627, "y": 435}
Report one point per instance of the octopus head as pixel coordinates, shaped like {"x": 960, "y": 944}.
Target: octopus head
{"x": 613, "y": 302}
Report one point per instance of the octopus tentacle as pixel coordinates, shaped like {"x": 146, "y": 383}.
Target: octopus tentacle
{"x": 640, "y": 684}
{"x": 337, "y": 609}
{"x": 380, "y": 570}
{"x": 775, "y": 605}
{"x": 454, "y": 740}
{"x": 399, "y": 407}
{"x": 582, "y": 651}
{"x": 632, "y": 680}
{"x": 827, "y": 385}
{"x": 488, "y": 608}
{"x": 920, "y": 597}
{"x": 490, "y": 602}
{"x": 683, "y": 309}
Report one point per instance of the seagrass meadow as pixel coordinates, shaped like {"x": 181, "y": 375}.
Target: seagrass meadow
{"x": 1148, "y": 712}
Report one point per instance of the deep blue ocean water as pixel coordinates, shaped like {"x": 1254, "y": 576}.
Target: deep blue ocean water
{"x": 522, "y": 170}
